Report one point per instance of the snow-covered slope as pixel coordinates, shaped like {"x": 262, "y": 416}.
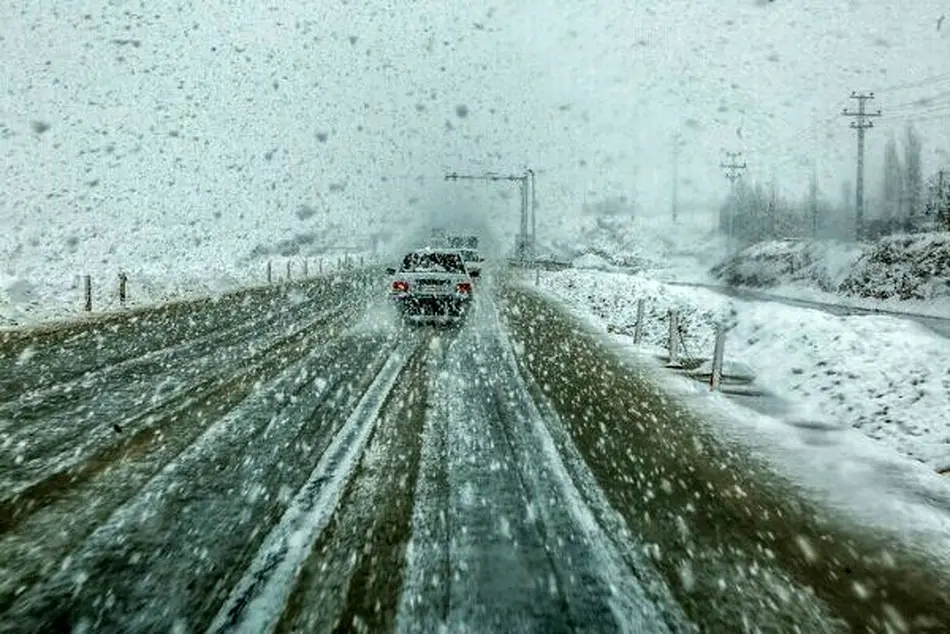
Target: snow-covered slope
{"x": 884, "y": 376}
{"x": 915, "y": 267}
{"x": 823, "y": 264}
{"x": 909, "y": 273}
{"x": 154, "y": 135}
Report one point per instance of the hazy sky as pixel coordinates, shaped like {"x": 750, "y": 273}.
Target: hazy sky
{"x": 221, "y": 118}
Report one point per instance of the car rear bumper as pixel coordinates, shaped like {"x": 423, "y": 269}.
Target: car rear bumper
{"x": 431, "y": 304}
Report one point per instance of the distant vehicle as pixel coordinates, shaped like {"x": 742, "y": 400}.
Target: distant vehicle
{"x": 431, "y": 283}
{"x": 438, "y": 238}
{"x": 463, "y": 242}
{"x": 473, "y": 261}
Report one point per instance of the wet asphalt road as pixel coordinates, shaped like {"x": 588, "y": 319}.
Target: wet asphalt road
{"x": 296, "y": 459}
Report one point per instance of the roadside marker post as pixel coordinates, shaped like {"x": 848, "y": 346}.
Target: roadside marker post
{"x": 288, "y": 270}
{"x": 269, "y": 275}
{"x": 87, "y": 293}
{"x": 715, "y": 377}
{"x": 638, "y": 327}
{"x": 123, "y": 288}
{"x": 674, "y": 338}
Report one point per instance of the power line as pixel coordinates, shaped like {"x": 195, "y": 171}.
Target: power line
{"x": 733, "y": 169}
{"x": 917, "y": 83}
{"x": 861, "y": 122}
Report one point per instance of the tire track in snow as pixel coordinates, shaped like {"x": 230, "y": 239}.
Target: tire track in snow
{"x": 69, "y": 438}
{"x": 524, "y": 551}
{"x": 164, "y": 550}
{"x": 98, "y": 450}
{"x": 258, "y": 600}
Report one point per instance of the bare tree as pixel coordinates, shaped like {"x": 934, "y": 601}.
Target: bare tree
{"x": 913, "y": 172}
{"x": 893, "y": 185}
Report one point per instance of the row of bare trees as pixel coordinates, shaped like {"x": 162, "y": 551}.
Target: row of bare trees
{"x": 900, "y": 200}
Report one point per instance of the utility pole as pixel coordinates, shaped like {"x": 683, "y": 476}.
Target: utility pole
{"x": 533, "y": 204}
{"x": 860, "y": 121}
{"x": 677, "y": 147}
{"x": 525, "y": 181}
{"x": 813, "y": 201}
{"x": 733, "y": 173}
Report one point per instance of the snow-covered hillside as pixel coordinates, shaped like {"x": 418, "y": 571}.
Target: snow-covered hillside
{"x": 902, "y": 272}
{"x": 191, "y": 135}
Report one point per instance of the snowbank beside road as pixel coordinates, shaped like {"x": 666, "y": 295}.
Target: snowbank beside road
{"x": 903, "y": 267}
{"x": 884, "y": 376}
{"x": 908, "y": 273}
{"x": 818, "y": 264}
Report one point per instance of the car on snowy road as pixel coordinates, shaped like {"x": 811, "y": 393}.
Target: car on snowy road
{"x": 432, "y": 283}
{"x": 473, "y": 261}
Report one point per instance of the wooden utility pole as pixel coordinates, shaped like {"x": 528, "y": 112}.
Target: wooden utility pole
{"x": 677, "y": 148}
{"x": 813, "y": 201}
{"x": 860, "y": 121}
{"x": 733, "y": 173}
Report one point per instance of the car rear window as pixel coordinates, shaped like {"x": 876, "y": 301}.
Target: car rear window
{"x": 437, "y": 262}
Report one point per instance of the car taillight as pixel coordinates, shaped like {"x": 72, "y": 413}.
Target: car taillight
{"x": 463, "y": 287}
{"x": 400, "y": 286}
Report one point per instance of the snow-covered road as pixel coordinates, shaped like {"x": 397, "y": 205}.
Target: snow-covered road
{"x": 298, "y": 460}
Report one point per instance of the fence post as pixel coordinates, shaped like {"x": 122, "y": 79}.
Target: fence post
{"x": 306, "y": 272}
{"x": 288, "y": 270}
{"x": 320, "y": 266}
{"x": 269, "y": 277}
{"x": 87, "y": 293}
{"x": 123, "y": 283}
{"x": 674, "y": 339}
{"x": 361, "y": 261}
{"x": 715, "y": 378}
{"x": 638, "y": 327}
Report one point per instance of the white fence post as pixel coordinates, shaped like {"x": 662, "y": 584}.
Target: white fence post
{"x": 715, "y": 378}
{"x": 674, "y": 339}
{"x": 638, "y": 327}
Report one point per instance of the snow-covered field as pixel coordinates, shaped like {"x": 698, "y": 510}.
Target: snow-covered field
{"x": 61, "y": 297}
{"x": 885, "y": 377}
